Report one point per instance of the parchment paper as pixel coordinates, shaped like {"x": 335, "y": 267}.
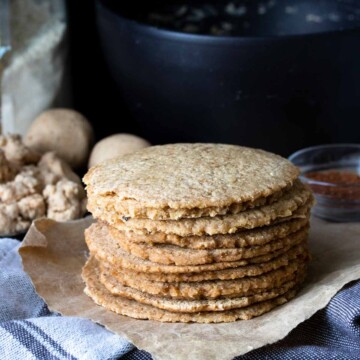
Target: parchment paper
{"x": 53, "y": 254}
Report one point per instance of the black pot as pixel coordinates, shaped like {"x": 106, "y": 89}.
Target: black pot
{"x": 280, "y": 90}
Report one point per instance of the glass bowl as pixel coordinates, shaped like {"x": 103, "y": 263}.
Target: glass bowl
{"x": 333, "y": 173}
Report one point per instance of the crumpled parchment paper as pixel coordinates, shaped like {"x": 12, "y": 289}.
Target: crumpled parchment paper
{"x": 54, "y": 253}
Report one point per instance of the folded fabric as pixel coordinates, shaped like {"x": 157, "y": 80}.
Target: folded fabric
{"x": 28, "y": 330}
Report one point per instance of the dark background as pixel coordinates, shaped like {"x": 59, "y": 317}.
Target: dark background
{"x": 94, "y": 93}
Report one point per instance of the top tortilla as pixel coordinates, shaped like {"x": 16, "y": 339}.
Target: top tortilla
{"x": 188, "y": 176}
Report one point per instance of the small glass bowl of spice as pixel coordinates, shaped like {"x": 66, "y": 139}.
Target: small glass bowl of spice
{"x": 333, "y": 173}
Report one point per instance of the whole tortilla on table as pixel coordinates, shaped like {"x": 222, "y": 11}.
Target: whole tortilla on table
{"x": 106, "y": 249}
{"x": 131, "y": 208}
{"x": 124, "y": 306}
{"x": 296, "y": 252}
{"x": 172, "y": 254}
{"x": 299, "y": 196}
{"x": 242, "y": 238}
{"x": 212, "y": 289}
{"x": 189, "y": 306}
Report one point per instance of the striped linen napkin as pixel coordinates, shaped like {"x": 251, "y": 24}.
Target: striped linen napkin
{"x": 28, "y": 330}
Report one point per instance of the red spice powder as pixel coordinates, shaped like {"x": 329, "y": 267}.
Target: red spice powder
{"x": 342, "y": 181}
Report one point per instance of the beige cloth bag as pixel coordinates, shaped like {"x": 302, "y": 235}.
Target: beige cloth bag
{"x": 32, "y": 72}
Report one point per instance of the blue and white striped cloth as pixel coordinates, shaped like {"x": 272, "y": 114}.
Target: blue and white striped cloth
{"x": 28, "y": 330}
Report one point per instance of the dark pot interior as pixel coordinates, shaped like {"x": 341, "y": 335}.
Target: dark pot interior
{"x": 288, "y": 79}
{"x": 250, "y": 18}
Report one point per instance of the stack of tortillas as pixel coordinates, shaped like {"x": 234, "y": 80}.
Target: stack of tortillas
{"x": 196, "y": 233}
